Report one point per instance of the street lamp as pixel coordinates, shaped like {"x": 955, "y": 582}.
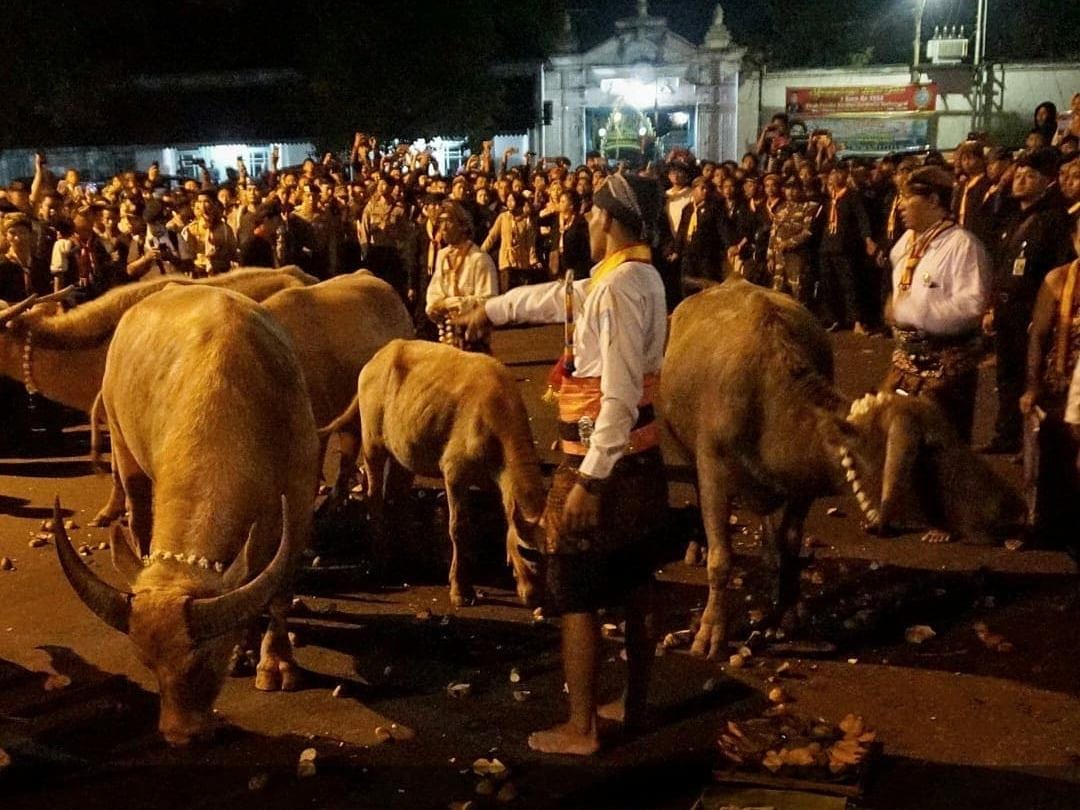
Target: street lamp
{"x": 981, "y": 117}
{"x": 980, "y": 31}
{"x": 920, "y": 7}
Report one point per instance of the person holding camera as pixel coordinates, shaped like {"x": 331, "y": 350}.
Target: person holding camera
{"x": 775, "y": 137}
{"x": 80, "y": 259}
{"x": 155, "y": 250}
{"x": 207, "y": 244}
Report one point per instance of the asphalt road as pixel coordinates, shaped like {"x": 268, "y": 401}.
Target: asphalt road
{"x": 961, "y": 725}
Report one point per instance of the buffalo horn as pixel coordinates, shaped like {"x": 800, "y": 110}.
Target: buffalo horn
{"x": 15, "y": 310}
{"x": 111, "y": 605}
{"x": 59, "y": 295}
{"x": 215, "y": 616}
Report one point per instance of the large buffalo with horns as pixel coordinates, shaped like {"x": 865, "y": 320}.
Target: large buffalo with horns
{"x": 747, "y": 390}
{"x": 215, "y": 447}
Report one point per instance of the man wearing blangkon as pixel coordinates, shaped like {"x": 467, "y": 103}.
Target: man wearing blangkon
{"x": 606, "y": 508}
{"x": 941, "y": 280}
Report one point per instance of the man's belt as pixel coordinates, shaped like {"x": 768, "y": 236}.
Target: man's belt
{"x": 936, "y": 356}
{"x": 575, "y": 437}
{"x": 916, "y": 341}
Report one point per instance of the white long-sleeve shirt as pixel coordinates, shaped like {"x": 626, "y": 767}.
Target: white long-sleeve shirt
{"x": 950, "y": 287}
{"x": 1072, "y": 405}
{"x": 619, "y": 333}
{"x": 477, "y": 280}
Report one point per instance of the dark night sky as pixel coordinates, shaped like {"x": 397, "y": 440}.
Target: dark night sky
{"x": 408, "y": 66}
{"x": 1036, "y": 29}
{"x": 248, "y": 32}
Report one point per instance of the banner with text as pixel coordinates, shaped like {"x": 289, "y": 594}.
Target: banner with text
{"x": 907, "y": 98}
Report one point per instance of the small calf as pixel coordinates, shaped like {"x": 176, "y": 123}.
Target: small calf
{"x": 438, "y": 411}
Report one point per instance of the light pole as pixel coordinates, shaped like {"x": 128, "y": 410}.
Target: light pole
{"x": 980, "y": 31}
{"x": 981, "y": 118}
{"x": 920, "y": 7}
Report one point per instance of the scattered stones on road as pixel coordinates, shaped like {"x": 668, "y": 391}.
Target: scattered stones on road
{"x": 918, "y": 633}
{"x": 778, "y": 695}
{"x": 992, "y": 641}
{"x": 306, "y": 766}
{"x": 507, "y": 793}
{"x": 459, "y": 690}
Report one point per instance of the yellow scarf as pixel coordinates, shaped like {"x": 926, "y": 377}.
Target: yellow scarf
{"x": 564, "y": 366}
{"x": 691, "y": 229}
{"x": 894, "y": 211}
{"x": 834, "y": 210}
{"x": 630, "y": 253}
{"x": 918, "y": 248}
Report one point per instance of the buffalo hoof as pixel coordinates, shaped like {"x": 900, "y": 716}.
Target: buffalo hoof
{"x": 104, "y": 518}
{"x": 462, "y": 597}
{"x": 277, "y": 675}
{"x": 693, "y": 553}
{"x": 528, "y": 595}
{"x": 709, "y": 641}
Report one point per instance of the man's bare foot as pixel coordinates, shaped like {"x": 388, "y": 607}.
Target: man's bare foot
{"x": 616, "y": 712}
{"x": 564, "y": 739}
{"x": 936, "y": 537}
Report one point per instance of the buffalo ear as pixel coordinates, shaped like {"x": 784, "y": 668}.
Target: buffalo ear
{"x": 122, "y": 551}
{"x": 214, "y": 616}
{"x": 240, "y": 570}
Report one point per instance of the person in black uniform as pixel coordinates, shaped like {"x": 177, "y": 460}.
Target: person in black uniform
{"x": 1033, "y": 241}
{"x": 971, "y": 204}
{"x": 700, "y": 243}
{"x": 844, "y": 242}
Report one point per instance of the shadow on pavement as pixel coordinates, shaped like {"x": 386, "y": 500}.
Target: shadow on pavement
{"x": 47, "y": 468}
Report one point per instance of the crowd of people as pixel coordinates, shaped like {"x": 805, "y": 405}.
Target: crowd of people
{"x": 833, "y": 233}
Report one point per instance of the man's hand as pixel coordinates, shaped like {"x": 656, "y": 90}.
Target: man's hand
{"x": 871, "y": 247}
{"x": 475, "y": 322}
{"x": 988, "y": 323}
{"x": 581, "y": 512}
{"x": 1027, "y": 402}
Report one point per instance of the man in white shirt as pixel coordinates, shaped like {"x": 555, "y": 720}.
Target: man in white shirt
{"x": 941, "y": 282}
{"x": 464, "y": 276}
{"x": 606, "y": 509}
